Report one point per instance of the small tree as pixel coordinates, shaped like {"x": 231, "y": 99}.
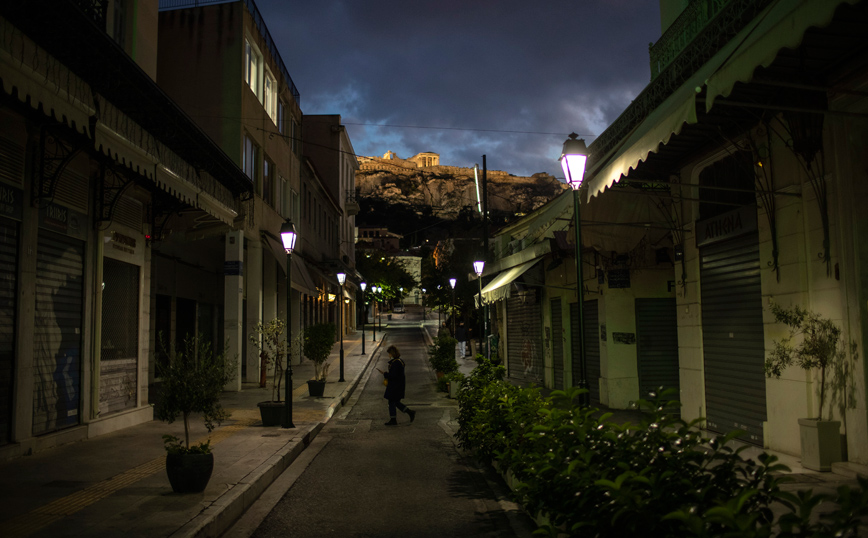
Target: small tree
{"x": 268, "y": 339}
{"x": 318, "y": 342}
{"x": 193, "y": 380}
{"x": 441, "y": 355}
{"x": 821, "y": 347}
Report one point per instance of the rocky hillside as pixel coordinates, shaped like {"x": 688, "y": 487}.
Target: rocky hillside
{"x": 443, "y": 191}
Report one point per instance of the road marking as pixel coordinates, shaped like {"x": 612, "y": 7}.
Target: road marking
{"x": 27, "y": 524}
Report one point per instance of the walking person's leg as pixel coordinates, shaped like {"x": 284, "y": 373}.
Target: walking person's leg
{"x": 392, "y": 413}
{"x": 404, "y": 409}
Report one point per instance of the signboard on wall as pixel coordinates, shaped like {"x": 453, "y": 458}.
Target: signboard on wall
{"x": 726, "y": 226}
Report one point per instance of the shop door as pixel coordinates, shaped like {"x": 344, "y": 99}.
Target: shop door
{"x": 524, "y": 337}
{"x": 732, "y": 337}
{"x": 657, "y": 345}
{"x": 557, "y": 343}
{"x": 592, "y": 347}
{"x": 8, "y": 287}
{"x": 119, "y": 352}
{"x": 57, "y": 332}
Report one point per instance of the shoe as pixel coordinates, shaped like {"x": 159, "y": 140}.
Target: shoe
{"x": 412, "y": 415}
{"x": 392, "y": 422}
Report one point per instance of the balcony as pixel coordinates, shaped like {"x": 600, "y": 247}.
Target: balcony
{"x": 352, "y": 206}
{"x": 683, "y": 31}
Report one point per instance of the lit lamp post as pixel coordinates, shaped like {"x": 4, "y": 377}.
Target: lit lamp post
{"x": 342, "y": 277}
{"x": 363, "y": 285}
{"x": 380, "y": 311}
{"x": 424, "y": 312}
{"x": 573, "y": 159}
{"x": 478, "y": 267}
{"x": 376, "y": 309}
{"x": 288, "y": 235}
{"x": 452, "y": 283}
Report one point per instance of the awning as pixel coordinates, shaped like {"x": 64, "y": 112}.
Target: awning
{"x": 276, "y": 248}
{"x": 782, "y": 24}
{"x": 301, "y": 279}
{"x": 498, "y": 288}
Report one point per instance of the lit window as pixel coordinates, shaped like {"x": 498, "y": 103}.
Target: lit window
{"x": 269, "y": 97}
{"x": 249, "y": 158}
{"x": 252, "y": 63}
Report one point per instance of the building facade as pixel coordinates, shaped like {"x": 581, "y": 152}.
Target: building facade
{"x": 95, "y": 160}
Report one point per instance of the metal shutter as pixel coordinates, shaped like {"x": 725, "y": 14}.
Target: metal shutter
{"x": 8, "y": 287}
{"x": 592, "y": 346}
{"x": 524, "y": 337}
{"x": 732, "y": 337}
{"x": 118, "y": 378}
{"x": 57, "y": 332}
{"x": 657, "y": 345}
{"x": 557, "y": 343}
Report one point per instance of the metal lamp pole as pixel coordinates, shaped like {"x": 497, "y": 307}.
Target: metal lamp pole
{"x": 478, "y": 267}
{"x": 342, "y": 277}
{"x": 452, "y": 283}
{"x": 288, "y": 235}
{"x": 573, "y": 159}
{"x": 364, "y": 315}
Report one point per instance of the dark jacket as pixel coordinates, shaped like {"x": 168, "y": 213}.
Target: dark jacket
{"x": 461, "y": 334}
{"x": 397, "y": 382}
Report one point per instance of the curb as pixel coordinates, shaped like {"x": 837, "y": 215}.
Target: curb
{"x": 225, "y": 510}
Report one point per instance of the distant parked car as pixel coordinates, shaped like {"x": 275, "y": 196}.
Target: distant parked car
{"x": 398, "y": 308}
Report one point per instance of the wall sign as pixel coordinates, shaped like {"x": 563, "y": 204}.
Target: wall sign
{"x": 619, "y": 278}
{"x": 233, "y": 268}
{"x": 11, "y": 202}
{"x": 726, "y": 226}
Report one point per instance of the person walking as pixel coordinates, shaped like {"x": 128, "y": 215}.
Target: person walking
{"x": 395, "y": 384}
{"x": 461, "y": 336}
{"x": 444, "y": 331}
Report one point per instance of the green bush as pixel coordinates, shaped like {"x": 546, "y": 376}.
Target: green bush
{"x": 660, "y": 477}
{"x": 441, "y": 354}
{"x": 318, "y": 342}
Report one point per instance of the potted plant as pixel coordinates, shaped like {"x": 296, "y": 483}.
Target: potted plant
{"x": 318, "y": 342}
{"x": 814, "y": 342}
{"x": 268, "y": 339}
{"x": 441, "y": 355}
{"x": 454, "y": 379}
{"x": 193, "y": 380}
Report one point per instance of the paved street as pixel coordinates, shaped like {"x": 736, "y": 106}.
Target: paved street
{"x": 371, "y": 480}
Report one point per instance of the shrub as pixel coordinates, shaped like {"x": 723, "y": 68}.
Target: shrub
{"x": 318, "y": 342}
{"x": 441, "y": 354}
{"x": 660, "y": 477}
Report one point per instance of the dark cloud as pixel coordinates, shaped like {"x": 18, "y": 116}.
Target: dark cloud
{"x": 493, "y": 66}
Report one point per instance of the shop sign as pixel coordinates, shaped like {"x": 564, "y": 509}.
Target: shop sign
{"x": 11, "y": 202}
{"x": 726, "y": 226}
{"x": 64, "y": 220}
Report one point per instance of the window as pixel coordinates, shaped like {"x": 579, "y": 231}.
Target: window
{"x": 268, "y": 182}
{"x": 252, "y": 66}
{"x": 269, "y": 96}
{"x": 281, "y": 116}
{"x": 295, "y": 136}
{"x": 249, "y": 158}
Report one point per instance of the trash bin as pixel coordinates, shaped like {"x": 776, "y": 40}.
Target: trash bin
{"x": 389, "y": 317}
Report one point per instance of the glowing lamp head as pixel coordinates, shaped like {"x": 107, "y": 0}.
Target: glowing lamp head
{"x": 342, "y": 277}
{"x": 573, "y": 159}
{"x": 452, "y": 282}
{"x": 478, "y": 267}
{"x": 288, "y": 235}
{"x": 363, "y": 285}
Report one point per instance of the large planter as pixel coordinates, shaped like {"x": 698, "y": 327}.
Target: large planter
{"x": 821, "y": 443}
{"x": 271, "y": 413}
{"x": 189, "y": 473}
{"x": 316, "y": 388}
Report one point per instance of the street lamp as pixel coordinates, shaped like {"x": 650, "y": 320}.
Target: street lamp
{"x": 380, "y": 310}
{"x": 342, "y": 277}
{"x": 478, "y": 267}
{"x": 288, "y": 235}
{"x": 452, "y": 283}
{"x": 573, "y": 159}
{"x": 363, "y": 285}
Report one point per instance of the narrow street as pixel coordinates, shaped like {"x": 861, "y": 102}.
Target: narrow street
{"x": 371, "y": 480}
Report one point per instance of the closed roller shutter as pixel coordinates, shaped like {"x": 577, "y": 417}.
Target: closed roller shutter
{"x": 592, "y": 347}
{"x": 557, "y": 343}
{"x": 524, "y": 337}
{"x": 732, "y": 337}
{"x": 8, "y": 286}
{"x": 57, "y": 332}
{"x": 657, "y": 345}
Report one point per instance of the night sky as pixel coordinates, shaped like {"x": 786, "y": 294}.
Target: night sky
{"x": 505, "y": 78}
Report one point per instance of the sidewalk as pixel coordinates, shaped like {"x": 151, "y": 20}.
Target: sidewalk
{"x": 116, "y": 484}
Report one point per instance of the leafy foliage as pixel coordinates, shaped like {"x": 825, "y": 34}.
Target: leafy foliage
{"x": 318, "y": 342}
{"x": 268, "y": 339}
{"x": 193, "y": 380}
{"x": 386, "y": 271}
{"x": 820, "y": 346}
{"x": 660, "y": 477}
